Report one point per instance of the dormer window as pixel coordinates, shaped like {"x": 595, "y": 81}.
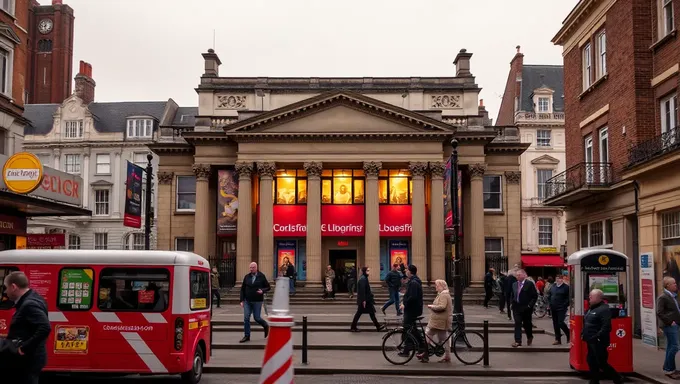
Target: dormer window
{"x": 74, "y": 129}
{"x": 139, "y": 128}
{"x": 544, "y": 105}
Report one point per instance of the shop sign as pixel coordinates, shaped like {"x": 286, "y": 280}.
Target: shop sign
{"x": 45, "y": 241}
{"x": 342, "y": 220}
{"x": 395, "y": 220}
{"x": 548, "y": 250}
{"x": 648, "y": 300}
{"x": 22, "y": 173}
{"x": 289, "y": 220}
{"x": 12, "y": 225}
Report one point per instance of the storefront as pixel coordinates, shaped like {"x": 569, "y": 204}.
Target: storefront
{"x": 548, "y": 262}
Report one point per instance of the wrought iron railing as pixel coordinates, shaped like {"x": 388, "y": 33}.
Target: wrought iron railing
{"x": 578, "y": 176}
{"x": 666, "y": 142}
{"x": 498, "y": 262}
{"x": 226, "y": 268}
{"x": 464, "y": 267}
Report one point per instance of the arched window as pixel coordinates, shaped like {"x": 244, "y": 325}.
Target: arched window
{"x": 134, "y": 241}
{"x": 45, "y": 45}
{"x": 73, "y": 241}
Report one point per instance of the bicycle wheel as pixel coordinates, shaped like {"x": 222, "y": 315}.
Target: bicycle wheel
{"x": 395, "y": 346}
{"x": 468, "y": 346}
{"x": 540, "y": 309}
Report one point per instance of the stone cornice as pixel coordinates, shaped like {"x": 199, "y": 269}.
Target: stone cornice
{"x": 171, "y": 148}
{"x": 518, "y": 148}
{"x": 336, "y": 137}
{"x": 68, "y": 145}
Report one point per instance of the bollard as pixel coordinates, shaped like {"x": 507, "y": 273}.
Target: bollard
{"x": 304, "y": 340}
{"x": 486, "y": 343}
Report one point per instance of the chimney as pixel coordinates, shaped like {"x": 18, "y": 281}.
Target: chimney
{"x": 462, "y": 63}
{"x": 518, "y": 60}
{"x": 84, "y": 83}
{"x": 55, "y": 2}
{"x": 483, "y": 112}
{"x": 212, "y": 64}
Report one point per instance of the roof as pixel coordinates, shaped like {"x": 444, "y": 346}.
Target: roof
{"x": 99, "y": 257}
{"x": 185, "y": 116}
{"x": 576, "y": 257}
{"x": 41, "y": 118}
{"x": 553, "y": 78}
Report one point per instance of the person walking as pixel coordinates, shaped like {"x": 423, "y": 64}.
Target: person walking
{"x": 365, "y": 302}
{"x": 501, "y": 295}
{"x": 412, "y": 308}
{"x": 352, "y": 281}
{"x": 329, "y": 281}
{"x": 557, "y": 295}
{"x": 510, "y": 281}
{"x": 290, "y": 274}
{"x": 668, "y": 312}
{"x": 393, "y": 280}
{"x": 215, "y": 284}
{"x": 441, "y": 319}
{"x": 597, "y": 324}
{"x": 488, "y": 286}
{"x": 524, "y": 296}
{"x": 253, "y": 288}
{"x": 26, "y": 355}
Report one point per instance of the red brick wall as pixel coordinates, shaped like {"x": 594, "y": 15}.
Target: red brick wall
{"x": 506, "y": 113}
{"x": 20, "y": 58}
{"x": 666, "y": 54}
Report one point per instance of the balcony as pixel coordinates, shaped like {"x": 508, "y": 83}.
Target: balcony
{"x": 578, "y": 182}
{"x": 650, "y": 149}
{"x": 539, "y": 118}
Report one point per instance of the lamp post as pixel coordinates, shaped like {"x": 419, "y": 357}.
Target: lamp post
{"x": 147, "y": 205}
{"x": 457, "y": 278}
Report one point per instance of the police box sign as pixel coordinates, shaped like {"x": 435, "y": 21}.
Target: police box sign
{"x": 603, "y": 263}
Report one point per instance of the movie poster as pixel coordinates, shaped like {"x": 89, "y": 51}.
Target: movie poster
{"x": 227, "y": 201}
{"x": 671, "y": 261}
{"x": 398, "y": 253}
{"x": 285, "y": 251}
{"x": 133, "y": 196}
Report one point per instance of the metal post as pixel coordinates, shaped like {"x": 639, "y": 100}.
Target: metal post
{"x": 147, "y": 206}
{"x": 486, "y": 343}
{"x": 304, "y": 340}
{"x": 457, "y": 279}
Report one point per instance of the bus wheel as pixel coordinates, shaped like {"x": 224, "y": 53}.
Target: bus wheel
{"x": 194, "y": 376}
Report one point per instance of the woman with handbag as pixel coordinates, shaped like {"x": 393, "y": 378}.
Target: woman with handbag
{"x": 441, "y": 319}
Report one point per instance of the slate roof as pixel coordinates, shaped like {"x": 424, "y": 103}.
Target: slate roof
{"x": 185, "y": 116}
{"x": 40, "y": 117}
{"x": 553, "y": 78}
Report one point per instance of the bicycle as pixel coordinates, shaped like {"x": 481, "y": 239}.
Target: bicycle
{"x": 460, "y": 343}
{"x": 541, "y": 307}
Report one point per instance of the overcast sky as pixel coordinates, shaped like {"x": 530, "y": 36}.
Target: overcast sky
{"x": 151, "y": 49}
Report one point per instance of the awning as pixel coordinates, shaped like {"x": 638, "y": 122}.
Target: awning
{"x": 28, "y": 206}
{"x": 543, "y": 261}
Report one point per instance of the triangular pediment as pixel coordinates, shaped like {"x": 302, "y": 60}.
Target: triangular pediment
{"x": 545, "y": 159}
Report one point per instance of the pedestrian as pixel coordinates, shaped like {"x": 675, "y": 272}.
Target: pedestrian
{"x": 253, "y": 288}
{"x": 597, "y": 324}
{"x": 501, "y": 294}
{"x": 352, "y": 281}
{"x": 510, "y": 281}
{"x": 290, "y": 274}
{"x": 328, "y": 286}
{"x": 441, "y": 320}
{"x": 215, "y": 284}
{"x": 524, "y": 296}
{"x": 488, "y": 286}
{"x": 549, "y": 282}
{"x": 25, "y": 354}
{"x": 558, "y": 302}
{"x": 540, "y": 284}
{"x": 668, "y": 312}
{"x": 412, "y": 308}
{"x": 365, "y": 302}
{"x": 393, "y": 281}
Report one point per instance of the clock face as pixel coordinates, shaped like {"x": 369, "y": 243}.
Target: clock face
{"x": 45, "y": 26}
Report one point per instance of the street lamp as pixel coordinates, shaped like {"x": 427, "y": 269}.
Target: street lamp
{"x": 457, "y": 279}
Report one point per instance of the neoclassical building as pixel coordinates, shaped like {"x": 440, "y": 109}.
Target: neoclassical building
{"x": 338, "y": 171}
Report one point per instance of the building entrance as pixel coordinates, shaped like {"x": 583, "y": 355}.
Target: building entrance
{"x": 341, "y": 260}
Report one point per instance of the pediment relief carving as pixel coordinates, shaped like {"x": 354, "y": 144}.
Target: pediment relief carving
{"x": 545, "y": 159}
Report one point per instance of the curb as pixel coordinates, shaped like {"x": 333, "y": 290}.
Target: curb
{"x": 401, "y": 371}
{"x": 297, "y": 329}
{"x": 326, "y": 323}
{"x": 335, "y": 347}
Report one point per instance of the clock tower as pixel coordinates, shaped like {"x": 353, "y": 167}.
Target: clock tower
{"x": 50, "y": 45}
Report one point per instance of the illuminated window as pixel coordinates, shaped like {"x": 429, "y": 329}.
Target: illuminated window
{"x": 395, "y": 186}
{"x": 342, "y": 186}
{"x": 290, "y": 186}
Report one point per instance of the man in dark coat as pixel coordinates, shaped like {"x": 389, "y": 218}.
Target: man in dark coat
{"x": 290, "y": 274}
{"x": 365, "y": 302}
{"x": 597, "y": 324}
{"x": 413, "y": 307}
{"x": 524, "y": 296}
{"x": 510, "y": 281}
{"x": 29, "y": 329}
{"x": 393, "y": 280}
{"x": 253, "y": 288}
{"x": 558, "y": 300}
{"x": 488, "y": 287}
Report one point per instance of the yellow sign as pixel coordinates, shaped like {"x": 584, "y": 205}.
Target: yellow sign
{"x": 547, "y": 250}
{"x": 193, "y": 325}
{"x": 21, "y": 242}
{"x": 603, "y": 260}
{"x": 199, "y": 304}
{"x": 22, "y": 173}
{"x": 71, "y": 339}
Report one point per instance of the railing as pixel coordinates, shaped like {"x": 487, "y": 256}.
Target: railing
{"x": 464, "y": 266}
{"x": 226, "y": 267}
{"x": 533, "y": 116}
{"x": 657, "y": 146}
{"x": 578, "y": 176}
{"x": 498, "y": 263}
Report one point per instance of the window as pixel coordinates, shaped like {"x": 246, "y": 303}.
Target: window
{"x": 601, "y": 54}
{"x": 139, "y": 158}
{"x": 5, "y": 302}
{"x": 186, "y": 193}
{"x": 76, "y": 286}
{"x": 73, "y": 242}
{"x": 670, "y": 230}
{"x": 134, "y": 289}
{"x": 135, "y": 241}
{"x": 545, "y": 231}
{"x": 44, "y": 159}
{"x": 394, "y": 186}
{"x": 668, "y": 17}
{"x": 602, "y": 169}
{"x": 492, "y": 193}
{"x": 6, "y": 60}
{"x": 185, "y": 244}
{"x": 101, "y": 241}
{"x": 342, "y": 186}
{"x": 103, "y": 164}
{"x": 101, "y": 202}
{"x": 73, "y": 164}
{"x": 139, "y": 128}
{"x": 587, "y": 67}
{"x": 596, "y": 234}
{"x": 200, "y": 290}
{"x": 7, "y": 6}
{"x": 74, "y": 129}
{"x": 669, "y": 116}
{"x": 290, "y": 187}
{"x": 544, "y": 104}
{"x": 45, "y": 45}
{"x": 589, "y": 158}
{"x": 493, "y": 247}
{"x": 543, "y": 138}
{"x": 542, "y": 176}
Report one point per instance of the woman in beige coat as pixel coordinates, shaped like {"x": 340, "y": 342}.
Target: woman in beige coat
{"x": 441, "y": 318}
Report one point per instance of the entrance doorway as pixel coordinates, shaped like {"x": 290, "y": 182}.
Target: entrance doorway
{"x": 341, "y": 260}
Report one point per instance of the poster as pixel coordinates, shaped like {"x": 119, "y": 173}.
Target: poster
{"x": 448, "y": 205}
{"x": 75, "y": 291}
{"x": 227, "y": 202}
{"x": 608, "y": 284}
{"x": 285, "y": 251}
{"x": 648, "y": 300}
{"x": 671, "y": 261}
{"x": 133, "y": 196}
{"x": 398, "y": 253}
{"x": 71, "y": 339}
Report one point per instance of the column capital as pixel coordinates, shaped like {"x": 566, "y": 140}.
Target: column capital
{"x": 417, "y": 168}
{"x": 202, "y": 171}
{"x": 244, "y": 169}
{"x": 313, "y": 168}
{"x": 477, "y": 170}
{"x": 57, "y": 151}
{"x": 372, "y": 168}
{"x": 165, "y": 178}
{"x": 513, "y": 177}
{"x": 437, "y": 169}
{"x": 266, "y": 169}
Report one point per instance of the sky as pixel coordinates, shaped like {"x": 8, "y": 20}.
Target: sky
{"x": 151, "y": 49}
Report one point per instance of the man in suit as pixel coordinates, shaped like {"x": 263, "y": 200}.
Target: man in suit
{"x": 510, "y": 281}
{"x": 253, "y": 288}
{"x": 524, "y": 296}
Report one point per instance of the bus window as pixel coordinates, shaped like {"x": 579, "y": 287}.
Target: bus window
{"x": 75, "y": 289}
{"x": 134, "y": 289}
{"x": 5, "y": 302}
{"x": 200, "y": 290}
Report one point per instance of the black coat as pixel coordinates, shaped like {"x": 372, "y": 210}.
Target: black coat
{"x": 667, "y": 310}
{"x": 510, "y": 280}
{"x": 393, "y": 280}
{"x": 290, "y": 271}
{"x": 413, "y": 298}
{"x": 527, "y": 296}
{"x": 249, "y": 288}
{"x": 558, "y": 297}
{"x": 364, "y": 293}
{"x": 31, "y": 327}
{"x": 597, "y": 323}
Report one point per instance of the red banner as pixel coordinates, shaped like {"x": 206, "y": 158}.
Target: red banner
{"x": 45, "y": 241}
{"x": 289, "y": 220}
{"x": 396, "y": 220}
{"x": 342, "y": 220}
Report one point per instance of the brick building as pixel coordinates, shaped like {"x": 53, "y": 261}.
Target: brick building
{"x": 621, "y": 187}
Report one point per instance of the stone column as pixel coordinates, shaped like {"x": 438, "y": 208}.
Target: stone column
{"x": 116, "y": 184}
{"x": 372, "y": 212}
{"x": 86, "y": 178}
{"x": 314, "y": 265}
{"x": 437, "y": 229}
{"x": 266, "y": 169}
{"x": 244, "y": 226}
{"x": 477, "y": 225}
{"x": 201, "y": 215}
{"x": 419, "y": 234}
{"x": 165, "y": 211}
{"x": 513, "y": 210}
